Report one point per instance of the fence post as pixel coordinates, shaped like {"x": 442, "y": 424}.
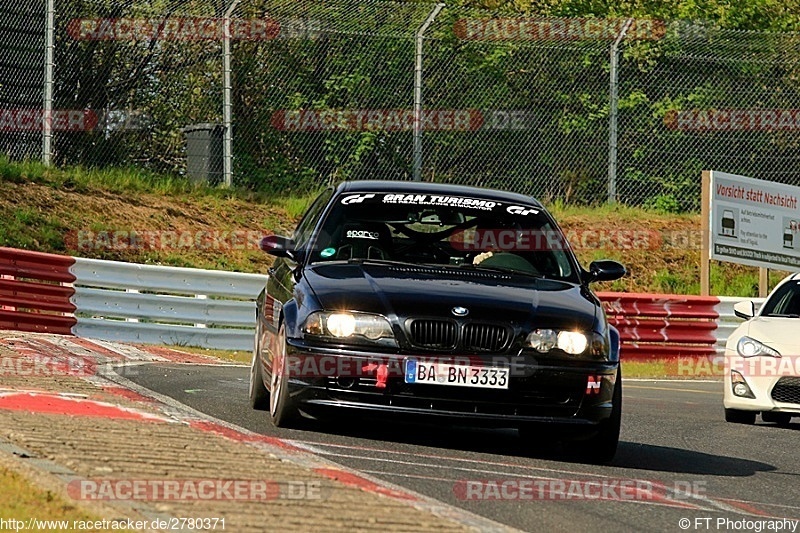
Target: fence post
{"x": 47, "y": 125}
{"x": 612, "y": 114}
{"x": 227, "y": 104}
{"x": 418, "y": 90}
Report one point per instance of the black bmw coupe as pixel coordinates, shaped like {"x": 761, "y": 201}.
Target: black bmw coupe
{"x": 428, "y": 300}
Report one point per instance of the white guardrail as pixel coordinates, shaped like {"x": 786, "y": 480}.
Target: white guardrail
{"x": 152, "y": 304}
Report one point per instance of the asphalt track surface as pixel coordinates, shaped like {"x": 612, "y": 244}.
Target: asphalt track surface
{"x": 686, "y": 461}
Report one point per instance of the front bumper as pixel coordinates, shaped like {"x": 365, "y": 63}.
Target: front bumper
{"x": 774, "y": 384}
{"x": 573, "y": 394}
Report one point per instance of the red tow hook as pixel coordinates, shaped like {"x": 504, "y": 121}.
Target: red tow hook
{"x": 381, "y": 373}
{"x": 382, "y": 376}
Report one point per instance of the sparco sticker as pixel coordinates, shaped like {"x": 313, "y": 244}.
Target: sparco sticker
{"x": 361, "y": 234}
{"x": 435, "y": 200}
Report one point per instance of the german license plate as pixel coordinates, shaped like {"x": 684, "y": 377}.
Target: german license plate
{"x": 431, "y": 373}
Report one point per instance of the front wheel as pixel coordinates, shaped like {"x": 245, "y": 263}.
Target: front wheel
{"x": 259, "y": 395}
{"x": 602, "y": 446}
{"x": 282, "y": 411}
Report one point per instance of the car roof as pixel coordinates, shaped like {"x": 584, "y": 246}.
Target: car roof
{"x": 412, "y": 187}
{"x": 787, "y": 279}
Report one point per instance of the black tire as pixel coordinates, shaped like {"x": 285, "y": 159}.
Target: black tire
{"x": 782, "y": 419}
{"x": 282, "y": 411}
{"x": 259, "y": 395}
{"x": 736, "y": 416}
{"x": 602, "y": 446}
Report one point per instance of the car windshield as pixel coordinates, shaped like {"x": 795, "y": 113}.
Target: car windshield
{"x": 446, "y": 231}
{"x": 785, "y": 302}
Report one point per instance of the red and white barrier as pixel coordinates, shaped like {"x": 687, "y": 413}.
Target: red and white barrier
{"x": 663, "y": 326}
{"x": 35, "y": 292}
{"x": 127, "y": 302}
{"x": 101, "y": 299}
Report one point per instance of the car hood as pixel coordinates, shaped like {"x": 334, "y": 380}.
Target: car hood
{"x": 776, "y": 332}
{"x": 410, "y": 291}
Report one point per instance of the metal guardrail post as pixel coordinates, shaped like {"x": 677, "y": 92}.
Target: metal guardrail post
{"x": 47, "y": 126}
{"x": 227, "y": 105}
{"x": 418, "y": 56}
{"x": 613, "y": 112}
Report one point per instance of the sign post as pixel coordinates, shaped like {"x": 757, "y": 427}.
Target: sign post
{"x": 705, "y": 214}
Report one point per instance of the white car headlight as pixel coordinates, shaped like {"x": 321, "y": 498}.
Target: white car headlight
{"x": 572, "y": 342}
{"x": 348, "y": 325}
{"x": 749, "y": 347}
{"x": 544, "y": 340}
{"x": 341, "y": 324}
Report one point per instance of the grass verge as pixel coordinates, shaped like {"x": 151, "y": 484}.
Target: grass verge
{"x": 239, "y": 356}
{"x": 20, "y": 500}
{"x": 672, "y": 369}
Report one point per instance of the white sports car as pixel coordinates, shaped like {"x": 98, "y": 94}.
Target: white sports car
{"x": 762, "y": 359}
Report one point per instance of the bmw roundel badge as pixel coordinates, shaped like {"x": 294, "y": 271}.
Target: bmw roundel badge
{"x": 460, "y": 311}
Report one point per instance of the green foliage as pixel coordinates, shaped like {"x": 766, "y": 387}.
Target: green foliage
{"x": 673, "y": 193}
{"x": 27, "y": 228}
{"x": 663, "y": 203}
{"x": 669, "y": 282}
{"x": 295, "y": 206}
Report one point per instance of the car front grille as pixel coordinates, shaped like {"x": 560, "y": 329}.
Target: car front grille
{"x": 787, "y": 390}
{"x": 435, "y": 334}
{"x": 485, "y": 337}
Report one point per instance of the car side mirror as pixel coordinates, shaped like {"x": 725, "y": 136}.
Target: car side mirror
{"x": 605, "y": 270}
{"x": 745, "y": 310}
{"x": 278, "y": 246}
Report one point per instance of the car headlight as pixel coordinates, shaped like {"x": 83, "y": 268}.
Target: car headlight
{"x": 542, "y": 340}
{"x": 749, "y": 347}
{"x": 570, "y": 342}
{"x": 358, "y": 327}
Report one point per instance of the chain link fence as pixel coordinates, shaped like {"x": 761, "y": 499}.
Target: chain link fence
{"x": 22, "y": 54}
{"x": 297, "y": 93}
{"x": 129, "y": 76}
{"x": 705, "y": 98}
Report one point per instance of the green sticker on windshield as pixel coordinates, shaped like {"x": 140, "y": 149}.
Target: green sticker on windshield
{"x": 327, "y": 252}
